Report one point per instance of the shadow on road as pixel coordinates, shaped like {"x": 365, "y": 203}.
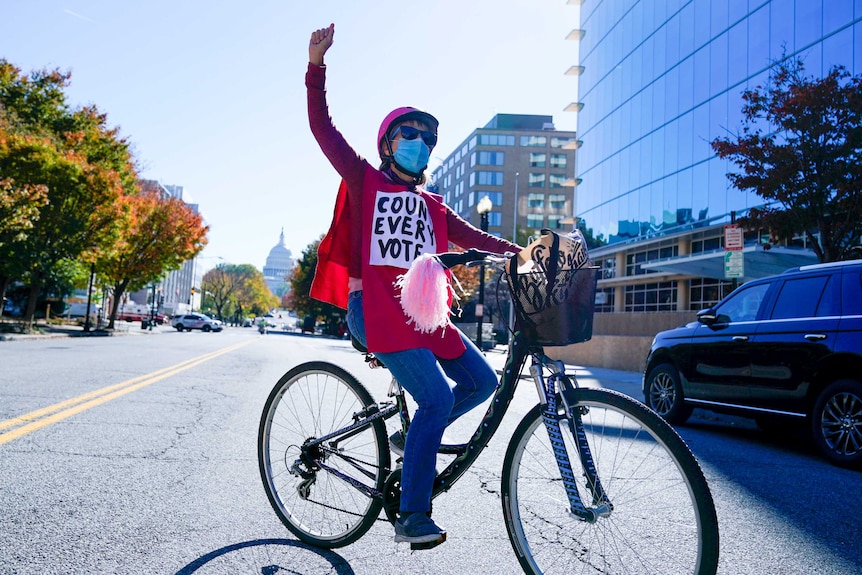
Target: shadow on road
{"x": 785, "y": 473}
{"x": 269, "y": 557}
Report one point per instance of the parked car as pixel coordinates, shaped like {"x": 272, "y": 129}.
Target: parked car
{"x": 782, "y": 349}
{"x": 192, "y": 321}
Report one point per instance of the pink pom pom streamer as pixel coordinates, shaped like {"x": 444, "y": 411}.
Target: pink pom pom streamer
{"x": 425, "y": 293}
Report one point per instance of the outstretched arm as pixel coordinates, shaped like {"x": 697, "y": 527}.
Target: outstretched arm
{"x": 320, "y": 42}
{"x": 342, "y": 157}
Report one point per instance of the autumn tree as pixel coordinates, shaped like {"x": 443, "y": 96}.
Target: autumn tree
{"x": 801, "y": 151}
{"x": 160, "y": 233}
{"x": 83, "y": 165}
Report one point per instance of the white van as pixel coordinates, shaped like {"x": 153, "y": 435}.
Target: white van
{"x": 78, "y": 309}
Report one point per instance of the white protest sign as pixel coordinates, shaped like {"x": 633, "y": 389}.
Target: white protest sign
{"x": 401, "y": 229}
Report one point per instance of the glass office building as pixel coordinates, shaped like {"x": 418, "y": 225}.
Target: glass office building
{"x": 658, "y": 81}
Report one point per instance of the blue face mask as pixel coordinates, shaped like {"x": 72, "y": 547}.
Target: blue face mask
{"x": 412, "y": 155}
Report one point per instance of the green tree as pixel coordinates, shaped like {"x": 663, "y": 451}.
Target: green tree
{"x": 300, "y": 284}
{"x": 249, "y": 293}
{"x": 801, "y": 151}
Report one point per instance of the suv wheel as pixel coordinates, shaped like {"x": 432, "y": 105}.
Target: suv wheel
{"x": 179, "y": 327}
{"x": 206, "y": 328}
{"x": 663, "y": 393}
{"x": 837, "y": 423}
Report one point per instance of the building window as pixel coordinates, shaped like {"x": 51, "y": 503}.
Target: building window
{"x": 558, "y": 160}
{"x": 537, "y": 160}
{"x": 496, "y": 140}
{"x": 556, "y": 180}
{"x": 472, "y": 143}
{"x": 486, "y": 178}
{"x": 535, "y": 221}
{"x": 605, "y": 300}
{"x": 554, "y": 221}
{"x": 706, "y": 292}
{"x": 495, "y": 197}
{"x": 700, "y": 244}
{"x": 491, "y": 158}
{"x": 536, "y": 200}
{"x": 609, "y": 267}
{"x": 536, "y": 180}
{"x": 659, "y": 296}
{"x": 534, "y": 141}
{"x": 495, "y": 219}
{"x": 557, "y": 201}
{"x": 662, "y": 251}
{"x": 560, "y": 142}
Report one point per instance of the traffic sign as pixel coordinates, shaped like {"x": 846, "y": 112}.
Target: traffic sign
{"x": 734, "y": 264}
{"x": 733, "y": 239}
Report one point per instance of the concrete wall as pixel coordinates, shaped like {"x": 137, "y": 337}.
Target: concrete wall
{"x": 625, "y": 352}
{"x": 620, "y": 340}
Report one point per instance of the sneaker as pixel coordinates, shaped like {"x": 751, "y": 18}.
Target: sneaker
{"x": 418, "y": 528}
{"x": 396, "y": 443}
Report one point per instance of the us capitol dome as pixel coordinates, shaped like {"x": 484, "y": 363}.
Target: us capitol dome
{"x": 279, "y": 264}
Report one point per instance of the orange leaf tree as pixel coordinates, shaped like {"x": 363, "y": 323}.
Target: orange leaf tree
{"x": 161, "y": 232}
{"x": 82, "y": 165}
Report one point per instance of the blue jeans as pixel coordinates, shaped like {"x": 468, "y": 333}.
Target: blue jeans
{"x": 443, "y": 389}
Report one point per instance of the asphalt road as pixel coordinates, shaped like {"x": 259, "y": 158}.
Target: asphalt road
{"x": 158, "y": 474}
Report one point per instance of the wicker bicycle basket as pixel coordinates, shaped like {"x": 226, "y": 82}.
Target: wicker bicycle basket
{"x": 556, "y": 311}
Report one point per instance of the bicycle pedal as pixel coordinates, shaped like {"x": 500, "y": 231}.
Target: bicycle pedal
{"x": 428, "y": 544}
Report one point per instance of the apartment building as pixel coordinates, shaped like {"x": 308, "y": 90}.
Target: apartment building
{"x": 522, "y": 164}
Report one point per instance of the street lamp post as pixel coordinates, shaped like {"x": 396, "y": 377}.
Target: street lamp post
{"x": 483, "y": 207}
{"x": 515, "y": 241}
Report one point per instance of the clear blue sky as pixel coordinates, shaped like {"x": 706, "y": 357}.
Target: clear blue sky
{"x": 211, "y": 93}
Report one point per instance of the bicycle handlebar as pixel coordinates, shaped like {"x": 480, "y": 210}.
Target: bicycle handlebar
{"x": 452, "y": 259}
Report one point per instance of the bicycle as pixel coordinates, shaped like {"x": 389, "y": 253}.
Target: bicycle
{"x": 592, "y": 480}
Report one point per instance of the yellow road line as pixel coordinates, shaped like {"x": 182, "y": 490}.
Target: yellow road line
{"x": 60, "y": 411}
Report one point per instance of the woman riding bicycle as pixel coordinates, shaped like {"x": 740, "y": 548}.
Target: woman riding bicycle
{"x": 383, "y": 220}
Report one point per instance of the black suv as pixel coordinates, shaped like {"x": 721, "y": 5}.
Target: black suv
{"x": 777, "y": 349}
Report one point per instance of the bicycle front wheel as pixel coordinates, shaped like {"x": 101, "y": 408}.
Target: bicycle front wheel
{"x": 662, "y": 520}
{"x": 317, "y": 504}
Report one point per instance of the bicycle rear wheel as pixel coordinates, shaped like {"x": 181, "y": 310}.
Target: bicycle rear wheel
{"x": 311, "y": 401}
{"x": 663, "y": 520}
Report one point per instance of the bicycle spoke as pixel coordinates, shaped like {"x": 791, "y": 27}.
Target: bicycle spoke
{"x": 662, "y": 520}
{"x": 314, "y": 401}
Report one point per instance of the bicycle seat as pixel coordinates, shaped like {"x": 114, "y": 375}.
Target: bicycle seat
{"x": 370, "y": 358}
{"x": 357, "y": 345}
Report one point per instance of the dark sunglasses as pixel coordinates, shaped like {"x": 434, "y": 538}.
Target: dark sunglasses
{"x": 411, "y": 133}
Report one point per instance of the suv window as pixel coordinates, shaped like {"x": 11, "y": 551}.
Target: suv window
{"x": 852, "y": 293}
{"x": 744, "y": 305}
{"x": 799, "y": 297}
{"x": 830, "y": 301}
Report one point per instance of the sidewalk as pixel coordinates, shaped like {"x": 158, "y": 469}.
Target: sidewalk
{"x": 627, "y": 382}
{"x": 46, "y": 331}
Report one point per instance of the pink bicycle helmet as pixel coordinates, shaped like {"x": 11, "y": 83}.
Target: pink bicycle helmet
{"x": 401, "y": 115}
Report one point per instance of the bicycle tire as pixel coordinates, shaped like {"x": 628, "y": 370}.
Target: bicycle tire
{"x": 663, "y": 520}
{"x": 310, "y": 401}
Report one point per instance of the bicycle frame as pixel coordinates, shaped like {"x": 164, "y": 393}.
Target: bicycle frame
{"x": 547, "y": 388}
